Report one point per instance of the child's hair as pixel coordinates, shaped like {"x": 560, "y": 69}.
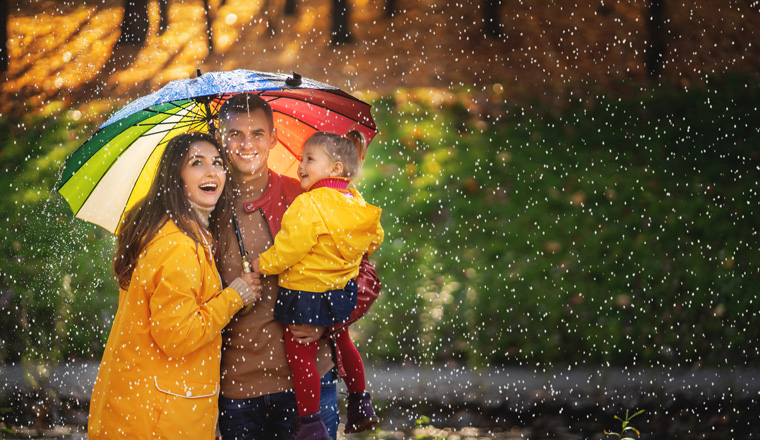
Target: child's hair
{"x": 343, "y": 149}
{"x": 357, "y": 137}
{"x": 166, "y": 199}
{"x": 245, "y": 103}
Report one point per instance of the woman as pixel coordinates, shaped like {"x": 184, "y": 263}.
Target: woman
{"x": 159, "y": 377}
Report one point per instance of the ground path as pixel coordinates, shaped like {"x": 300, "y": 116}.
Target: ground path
{"x": 498, "y": 401}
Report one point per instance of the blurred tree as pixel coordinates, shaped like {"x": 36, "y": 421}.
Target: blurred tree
{"x": 491, "y": 22}
{"x": 340, "y": 32}
{"x": 163, "y": 12}
{"x": 655, "y": 51}
{"x": 4, "y": 36}
{"x": 209, "y": 20}
{"x": 290, "y": 7}
{"x": 135, "y": 23}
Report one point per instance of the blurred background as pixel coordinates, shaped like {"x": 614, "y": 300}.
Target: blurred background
{"x": 566, "y": 186}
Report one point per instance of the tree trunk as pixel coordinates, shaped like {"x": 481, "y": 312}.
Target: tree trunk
{"x": 209, "y": 21}
{"x": 340, "y": 33}
{"x": 135, "y": 24}
{"x": 491, "y": 22}
{"x": 655, "y": 52}
{"x": 390, "y": 8}
{"x": 290, "y": 7}
{"x": 4, "y": 60}
{"x": 163, "y": 12}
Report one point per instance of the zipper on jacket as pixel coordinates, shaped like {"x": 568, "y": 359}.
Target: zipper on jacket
{"x": 211, "y": 256}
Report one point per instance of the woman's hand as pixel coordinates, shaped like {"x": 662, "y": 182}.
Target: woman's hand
{"x": 253, "y": 279}
{"x": 305, "y": 333}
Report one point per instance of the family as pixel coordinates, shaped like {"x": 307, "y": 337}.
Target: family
{"x": 200, "y": 344}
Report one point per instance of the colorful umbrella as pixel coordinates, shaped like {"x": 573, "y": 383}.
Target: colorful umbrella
{"x": 113, "y": 169}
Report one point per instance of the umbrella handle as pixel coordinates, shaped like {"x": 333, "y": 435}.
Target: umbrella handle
{"x": 247, "y": 269}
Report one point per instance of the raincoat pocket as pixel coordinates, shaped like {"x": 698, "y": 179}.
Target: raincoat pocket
{"x": 190, "y": 410}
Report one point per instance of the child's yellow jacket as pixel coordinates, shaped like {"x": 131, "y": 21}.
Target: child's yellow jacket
{"x": 159, "y": 377}
{"x": 324, "y": 235}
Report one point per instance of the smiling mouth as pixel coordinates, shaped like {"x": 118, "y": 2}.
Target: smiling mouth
{"x": 208, "y": 187}
{"x": 248, "y": 156}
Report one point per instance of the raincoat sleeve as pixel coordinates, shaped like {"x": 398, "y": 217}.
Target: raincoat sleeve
{"x": 301, "y": 225}
{"x": 180, "y": 322}
{"x": 379, "y": 234}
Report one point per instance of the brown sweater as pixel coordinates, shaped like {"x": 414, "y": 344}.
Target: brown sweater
{"x": 253, "y": 356}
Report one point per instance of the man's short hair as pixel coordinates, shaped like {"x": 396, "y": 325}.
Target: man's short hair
{"x": 246, "y": 103}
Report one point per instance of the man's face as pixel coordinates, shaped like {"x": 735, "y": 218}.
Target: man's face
{"x": 247, "y": 140}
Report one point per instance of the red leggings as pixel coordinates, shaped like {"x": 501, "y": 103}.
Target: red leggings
{"x": 306, "y": 380}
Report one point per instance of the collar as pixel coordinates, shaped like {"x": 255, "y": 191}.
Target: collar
{"x": 258, "y": 203}
{"x": 331, "y": 182}
{"x": 203, "y": 212}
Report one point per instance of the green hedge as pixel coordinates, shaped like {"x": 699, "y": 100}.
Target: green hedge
{"x": 57, "y": 296}
{"x": 614, "y": 230}
{"x": 607, "y": 230}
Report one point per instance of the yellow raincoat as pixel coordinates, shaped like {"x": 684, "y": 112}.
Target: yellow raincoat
{"x": 323, "y": 238}
{"x": 159, "y": 377}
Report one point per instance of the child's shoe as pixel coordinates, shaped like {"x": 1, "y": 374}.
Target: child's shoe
{"x": 309, "y": 427}
{"x": 361, "y": 416}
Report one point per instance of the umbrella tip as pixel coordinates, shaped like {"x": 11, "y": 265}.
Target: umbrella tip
{"x": 198, "y": 71}
{"x": 293, "y": 81}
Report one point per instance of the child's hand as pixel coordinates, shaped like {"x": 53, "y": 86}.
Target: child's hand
{"x": 305, "y": 333}
{"x": 255, "y": 266}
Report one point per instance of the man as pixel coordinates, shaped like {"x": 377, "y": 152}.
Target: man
{"x": 257, "y": 401}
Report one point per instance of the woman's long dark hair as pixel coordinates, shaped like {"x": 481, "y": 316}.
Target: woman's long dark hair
{"x": 166, "y": 200}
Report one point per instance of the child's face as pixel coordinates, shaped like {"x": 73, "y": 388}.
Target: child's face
{"x": 316, "y": 165}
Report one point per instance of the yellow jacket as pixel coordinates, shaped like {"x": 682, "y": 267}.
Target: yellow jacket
{"x": 323, "y": 238}
{"x": 159, "y": 377}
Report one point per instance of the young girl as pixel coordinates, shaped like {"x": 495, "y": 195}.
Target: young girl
{"x": 159, "y": 377}
{"x": 325, "y": 232}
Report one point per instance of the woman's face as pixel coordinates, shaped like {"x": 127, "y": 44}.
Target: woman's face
{"x": 203, "y": 174}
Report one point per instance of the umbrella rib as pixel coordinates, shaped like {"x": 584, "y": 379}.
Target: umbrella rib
{"x": 132, "y": 191}
{"x": 320, "y": 106}
{"x": 158, "y": 124}
{"x": 177, "y": 126}
{"x": 114, "y": 135}
{"x": 180, "y": 125}
{"x": 343, "y": 94}
{"x": 173, "y": 104}
{"x": 337, "y": 92}
{"x": 113, "y": 162}
{"x": 299, "y": 120}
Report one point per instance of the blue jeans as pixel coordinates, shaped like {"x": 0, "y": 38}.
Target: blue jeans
{"x": 271, "y": 416}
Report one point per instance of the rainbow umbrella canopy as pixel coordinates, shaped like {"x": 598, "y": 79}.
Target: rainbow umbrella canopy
{"x": 114, "y": 168}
